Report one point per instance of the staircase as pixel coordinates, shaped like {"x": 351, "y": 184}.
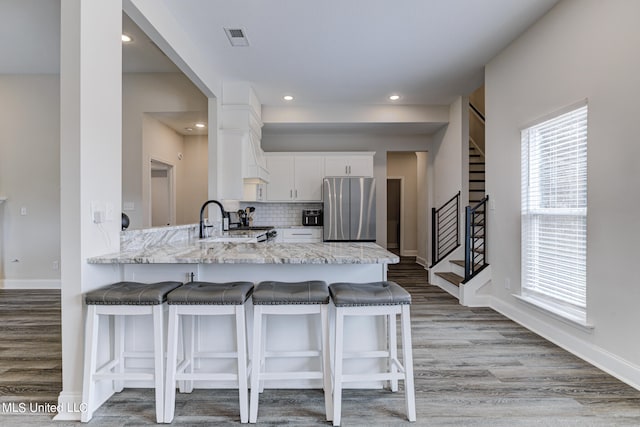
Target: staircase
{"x": 463, "y": 278}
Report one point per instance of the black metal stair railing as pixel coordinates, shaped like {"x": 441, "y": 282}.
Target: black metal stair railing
{"x": 475, "y": 246}
{"x": 445, "y": 226}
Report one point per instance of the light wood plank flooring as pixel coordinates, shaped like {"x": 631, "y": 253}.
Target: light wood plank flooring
{"x": 473, "y": 367}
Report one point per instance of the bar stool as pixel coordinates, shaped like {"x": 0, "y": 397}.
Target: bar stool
{"x": 206, "y": 299}
{"x": 286, "y": 298}
{"x": 374, "y": 299}
{"x": 119, "y": 300}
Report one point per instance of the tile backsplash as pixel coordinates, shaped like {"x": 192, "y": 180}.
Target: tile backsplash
{"x": 279, "y": 214}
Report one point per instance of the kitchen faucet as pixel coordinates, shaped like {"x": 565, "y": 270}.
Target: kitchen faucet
{"x": 225, "y": 215}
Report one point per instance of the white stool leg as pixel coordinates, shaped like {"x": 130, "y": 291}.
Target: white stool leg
{"x": 90, "y": 357}
{"x": 188, "y": 339}
{"x": 263, "y": 349}
{"x": 407, "y": 360}
{"x": 256, "y": 359}
{"x": 172, "y": 350}
{"x": 118, "y": 350}
{"x": 326, "y": 361}
{"x": 241, "y": 348}
{"x": 337, "y": 378}
{"x": 158, "y": 356}
{"x": 393, "y": 349}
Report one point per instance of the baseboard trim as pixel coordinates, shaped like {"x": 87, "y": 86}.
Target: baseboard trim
{"x": 70, "y": 407}
{"x": 422, "y": 262}
{"x": 410, "y": 252}
{"x": 29, "y": 284}
{"x": 612, "y": 364}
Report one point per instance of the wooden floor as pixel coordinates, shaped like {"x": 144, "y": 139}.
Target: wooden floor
{"x": 473, "y": 367}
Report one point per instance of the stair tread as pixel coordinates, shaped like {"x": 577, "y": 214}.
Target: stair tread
{"x": 451, "y": 277}
{"x": 460, "y": 262}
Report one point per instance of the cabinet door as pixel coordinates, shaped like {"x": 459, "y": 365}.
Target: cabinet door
{"x": 336, "y": 166}
{"x": 280, "y": 187}
{"x": 361, "y": 166}
{"x": 309, "y": 171}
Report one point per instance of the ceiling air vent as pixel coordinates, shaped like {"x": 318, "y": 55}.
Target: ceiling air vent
{"x": 236, "y": 36}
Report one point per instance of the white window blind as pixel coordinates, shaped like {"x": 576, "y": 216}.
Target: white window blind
{"x": 554, "y": 213}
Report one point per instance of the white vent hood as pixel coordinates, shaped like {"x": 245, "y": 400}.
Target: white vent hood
{"x": 241, "y": 132}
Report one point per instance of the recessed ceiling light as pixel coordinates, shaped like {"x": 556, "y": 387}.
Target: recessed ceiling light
{"x": 200, "y": 125}
{"x": 288, "y": 98}
{"x": 394, "y": 97}
{"x": 188, "y": 129}
{"x": 126, "y": 39}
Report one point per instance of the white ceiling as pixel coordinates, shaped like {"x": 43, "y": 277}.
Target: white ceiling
{"x": 322, "y": 52}
{"x": 357, "y": 52}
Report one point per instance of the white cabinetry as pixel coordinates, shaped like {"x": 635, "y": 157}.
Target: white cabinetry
{"x": 348, "y": 164}
{"x": 254, "y": 192}
{"x": 302, "y": 235}
{"x": 295, "y": 177}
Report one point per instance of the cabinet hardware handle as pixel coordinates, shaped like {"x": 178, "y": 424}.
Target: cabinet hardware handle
{"x": 346, "y": 170}
{"x": 296, "y": 193}
{"x": 291, "y": 194}
{"x": 349, "y": 169}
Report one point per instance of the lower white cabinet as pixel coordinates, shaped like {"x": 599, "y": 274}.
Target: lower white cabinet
{"x": 302, "y": 235}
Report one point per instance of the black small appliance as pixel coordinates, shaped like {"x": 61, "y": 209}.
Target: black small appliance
{"x": 312, "y": 217}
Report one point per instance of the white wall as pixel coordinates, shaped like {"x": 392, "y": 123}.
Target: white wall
{"x": 405, "y": 165}
{"x": 192, "y": 191}
{"x": 146, "y": 93}
{"x": 380, "y": 143}
{"x": 30, "y": 178}
{"x": 580, "y": 49}
{"x": 423, "y": 222}
{"x": 448, "y": 155}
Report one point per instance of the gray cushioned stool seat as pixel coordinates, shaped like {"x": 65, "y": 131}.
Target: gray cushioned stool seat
{"x": 365, "y": 294}
{"x": 278, "y": 293}
{"x": 131, "y": 293}
{"x": 207, "y": 293}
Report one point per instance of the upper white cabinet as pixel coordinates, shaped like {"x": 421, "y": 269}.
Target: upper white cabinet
{"x": 348, "y": 164}
{"x": 295, "y": 177}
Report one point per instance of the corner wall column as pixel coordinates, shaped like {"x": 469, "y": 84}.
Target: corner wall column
{"x": 90, "y": 169}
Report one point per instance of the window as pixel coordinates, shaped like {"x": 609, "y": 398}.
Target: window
{"x": 554, "y": 214}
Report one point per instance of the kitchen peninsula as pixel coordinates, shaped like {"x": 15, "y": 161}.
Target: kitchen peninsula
{"x": 154, "y": 259}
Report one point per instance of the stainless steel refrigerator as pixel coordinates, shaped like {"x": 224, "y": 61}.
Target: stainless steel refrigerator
{"x": 349, "y": 209}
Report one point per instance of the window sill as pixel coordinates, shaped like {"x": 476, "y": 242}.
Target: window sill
{"x": 556, "y": 313}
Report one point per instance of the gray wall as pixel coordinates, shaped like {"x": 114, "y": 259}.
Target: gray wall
{"x": 30, "y": 179}
{"x": 581, "y": 49}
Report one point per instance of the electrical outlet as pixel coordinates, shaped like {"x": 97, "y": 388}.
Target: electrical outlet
{"x": 98, "y": 217}
{"x": 55, "y": 265}
{"x": 23, "y": 210}
{"x": 507, "y": 283}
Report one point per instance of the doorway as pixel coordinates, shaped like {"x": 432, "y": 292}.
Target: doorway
{"x": 394, "y": 212}
{"x": 162, "y": 194}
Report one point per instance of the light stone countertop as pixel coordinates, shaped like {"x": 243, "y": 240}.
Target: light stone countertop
{"x": 202, "y": 252}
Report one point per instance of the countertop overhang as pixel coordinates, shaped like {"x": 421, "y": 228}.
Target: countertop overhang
{"x": 202, "y": 252}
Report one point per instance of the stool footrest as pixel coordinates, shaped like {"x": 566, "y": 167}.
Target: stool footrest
{"x": 215, "y": 355}
{"x": 201, "y": 376}
{"x": 285, "y": 354}
{"x": 302, "y": 375}
{"x": 383, "y": 376}
{"x": 366, "y": 354}
{"x": 138, "y": 355}
{"x": 129, "y": 376}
